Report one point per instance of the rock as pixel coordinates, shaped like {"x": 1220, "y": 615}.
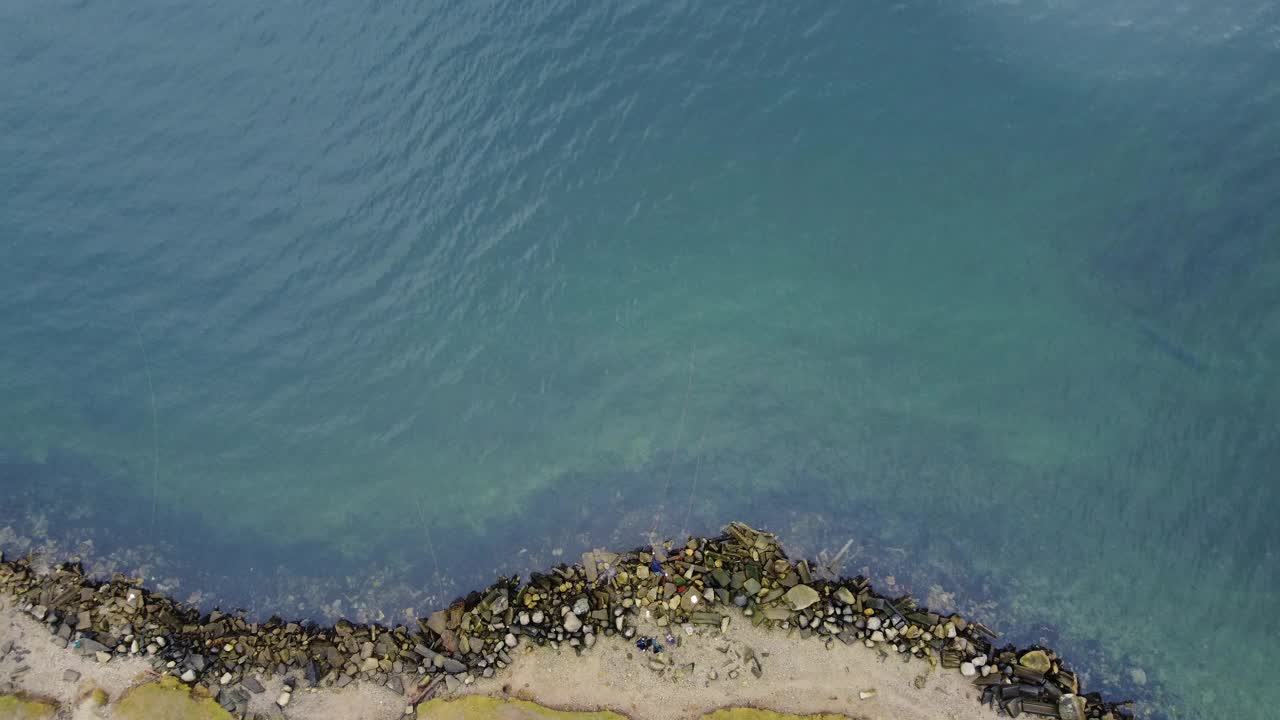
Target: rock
{"x": 253, "y": 685}
{"x": 369, "y": 665}
{"x": 524, "y": 618}
{"x": 396, "y": 683}
{"x": 581, "y": 606}
{"x": 776, "y": 613}
{"x": 453, "y": 667}
{"x": 979, "y": 660}
{"x": 70, "y": 676}
{"x": 877, "y": 636}
{"x": 343, "y": 680}
{"x": 867, "y": 694}
{"x": 874, "y": 623}
{"x": 846, "y": 596}
{"x": 509, "y": 640}
{"x": 284, "y": 698}
{"x": 967, "y": 669}
{"x": 801, "y": 597}
{"x": 225, "y": 679}
{"x": 189, "y": 676}
{"x": 1071, "y": 707}
{"x": 1138, "y": 675}
{"x": 1037, "y": 660}
{"x": 572, "y": 623}
{"x": 103, "y": 657}
{"x": 538, "y": 617}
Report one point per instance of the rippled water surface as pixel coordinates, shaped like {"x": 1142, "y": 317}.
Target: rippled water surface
{"x": 345, "y": 308}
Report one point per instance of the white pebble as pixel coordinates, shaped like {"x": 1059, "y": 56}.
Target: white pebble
{"x": 967, "y": 669}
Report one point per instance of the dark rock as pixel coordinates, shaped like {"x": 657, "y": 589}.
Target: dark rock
{"x": 253, "y": 685}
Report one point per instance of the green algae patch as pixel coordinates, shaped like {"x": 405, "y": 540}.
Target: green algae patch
{"x": 13, "y": 707}
{"x": 167, "y": 700}
{"x": 476, "y": 707}
{"x": 754, "y": 714}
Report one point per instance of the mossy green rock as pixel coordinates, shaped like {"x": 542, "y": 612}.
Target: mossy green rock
{"x": 754, "y": 714}
{"x": 13, "y": 707}
{"x": 167, "y": 700}
{"x": 475, "y": 707}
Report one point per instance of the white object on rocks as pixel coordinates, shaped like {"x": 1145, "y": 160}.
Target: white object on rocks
{"x": 967, "y": 669}
{"x": 284, "y": 698}
{"x": 510, "y": 640}
{"x": 873, "y": 623}
{"x": 572, "y": 623}
{"x": 189, "y": 676}
{"x": 980, "y": 660}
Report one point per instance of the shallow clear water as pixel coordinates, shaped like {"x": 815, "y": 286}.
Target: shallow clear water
{"x": 340, "y": 308}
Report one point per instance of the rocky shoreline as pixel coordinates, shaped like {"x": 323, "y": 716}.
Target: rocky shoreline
{"x": 700, "y": 588}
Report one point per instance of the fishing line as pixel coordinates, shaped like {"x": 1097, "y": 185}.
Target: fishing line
{"x": 431, "y": 546}
{"x": 155, "y": 427}
{"x": 666, "y": 483}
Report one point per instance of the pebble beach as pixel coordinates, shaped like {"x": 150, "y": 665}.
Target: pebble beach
{"x": 728, "y": 623}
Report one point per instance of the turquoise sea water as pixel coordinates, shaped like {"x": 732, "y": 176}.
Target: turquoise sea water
{"x": 344, "y": 308}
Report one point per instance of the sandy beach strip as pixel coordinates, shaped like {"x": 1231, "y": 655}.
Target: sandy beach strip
{"x": 802, "y": 677}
